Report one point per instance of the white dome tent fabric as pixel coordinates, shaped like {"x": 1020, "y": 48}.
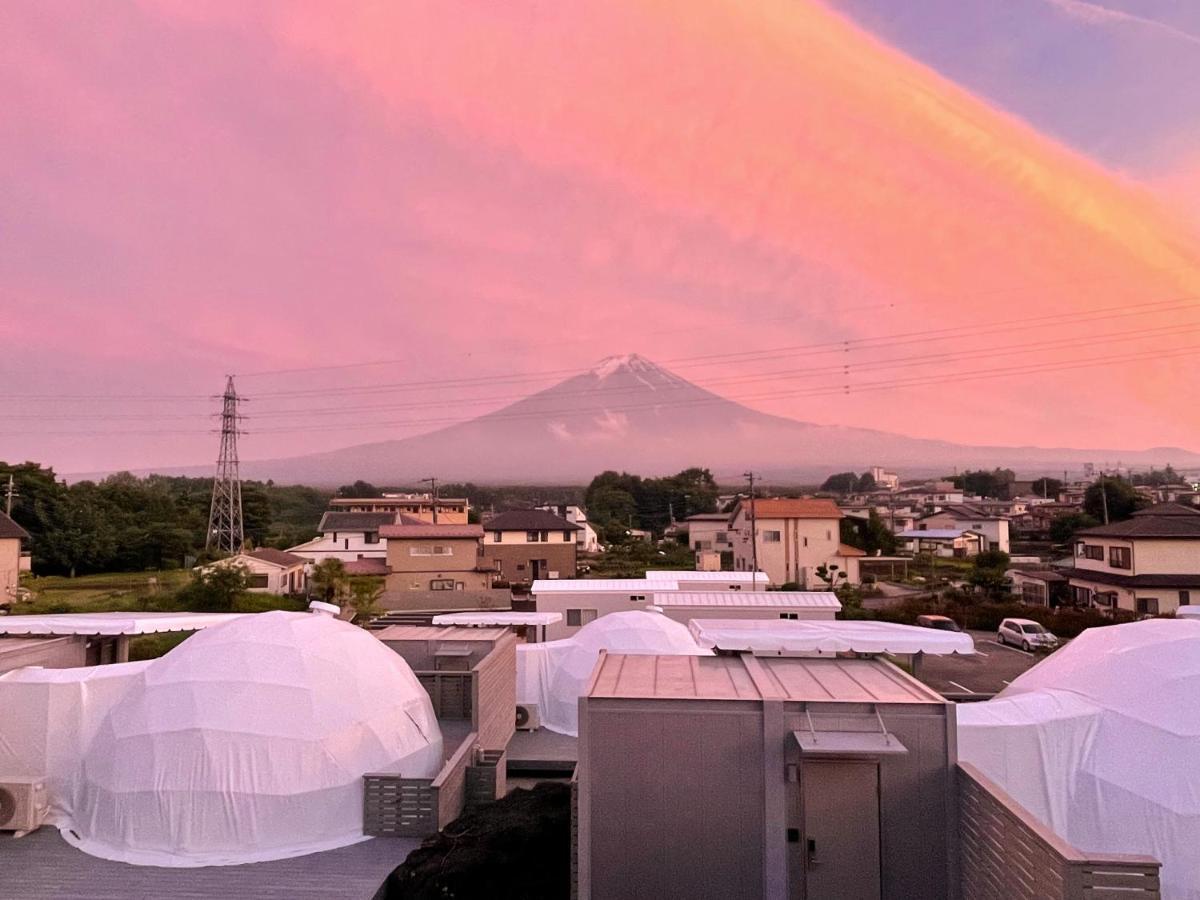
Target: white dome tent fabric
{"x": 248, "y": 742}
{"x": 554, "y": 674}
{"x": 1101, "y": 741}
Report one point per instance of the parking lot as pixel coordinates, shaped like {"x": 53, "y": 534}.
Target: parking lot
{"x": 988, "y": 671}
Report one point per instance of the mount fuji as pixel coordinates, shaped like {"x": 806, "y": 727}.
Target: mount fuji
{"x": 629, "y": 413}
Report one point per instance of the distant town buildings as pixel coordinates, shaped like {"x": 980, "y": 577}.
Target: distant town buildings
{"x": 792, "y": 539}
{"x": 450, "y": 510}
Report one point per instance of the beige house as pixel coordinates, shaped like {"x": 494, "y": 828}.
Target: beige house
{"x": 450, "y": 510}
{"x": 1147, "y": 564}
{"x": 443, "y": 557}
{"x": 711, "y": 539}
{"x": 526, "y": 545}
{"x": 794, "y": 538}
{"x": 270, "y": 571}
{"x": 968, "y": 517}
{"x": 11, "y": 535}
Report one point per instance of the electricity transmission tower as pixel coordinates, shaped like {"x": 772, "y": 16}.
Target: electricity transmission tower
{"x": 225, "y": 514}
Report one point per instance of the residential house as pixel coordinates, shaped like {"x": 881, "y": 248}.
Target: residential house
{"x": 932, "y": 494}
{"x": 1037, "y": 519}
{"x": 11, "y": 536}
{"x": 792, "y": 539}
{"x": 442, "y": 557}
{"x": 586, "y": 538}
{"x": 270, "y": 571}
{"x": 450, "y": 510}
{"x": 711, "y": 540}
{"x": 348, "y": 536}
{"x": 964, "y": 517}
{"x": 530, "y": 544}
{"x": 946, "y": 542}
{"x": 1149, "y": 563}
{"x": 1039, "y": 587}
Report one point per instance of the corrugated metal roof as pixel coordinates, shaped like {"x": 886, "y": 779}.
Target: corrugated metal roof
{"x": 756, "y": 678}
{"x": 439, "y": 633}
{"x": 594, "y": 585}
{"x": 685, "y": 575}
{"x": 781, "y": 599}
{"x": 113, "y": 623}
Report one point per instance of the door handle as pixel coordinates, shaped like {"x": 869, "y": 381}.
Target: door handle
{"x": 812, "y": 853}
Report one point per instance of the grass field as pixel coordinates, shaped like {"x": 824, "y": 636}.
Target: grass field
{"x": 110, "y": 592}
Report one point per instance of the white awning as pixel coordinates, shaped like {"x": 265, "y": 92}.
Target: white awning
{"x": 112, "y": 623}
{"x": 801, "y": 636}
{"x": 500, "y": 617}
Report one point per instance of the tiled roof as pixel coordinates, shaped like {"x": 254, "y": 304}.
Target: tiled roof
{"x": 847, "y": 550}
{"x": 963, "y": 511}
{"x": 1168, "y": 509}
{"x": 528, "y": 520}
{"x": 336, "y": 520}
{"x": 1175, "y": 523}
{"x": 10, "y": 529}
{"x": 426, "y": 530}
{"x": 1135, "y": 581}
{"x": 276, "y": 557}
{"x": 785, "y": 508}
{"x": 368, "y": 567}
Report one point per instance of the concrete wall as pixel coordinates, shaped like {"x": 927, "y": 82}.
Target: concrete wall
{"x": 10, "y": 567}
{"x": 49, "y": 652}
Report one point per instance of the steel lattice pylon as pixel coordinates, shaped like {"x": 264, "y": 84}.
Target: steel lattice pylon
{"x": 225, "y": 514}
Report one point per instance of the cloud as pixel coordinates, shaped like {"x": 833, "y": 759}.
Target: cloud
{"x": 1095, "y": 14}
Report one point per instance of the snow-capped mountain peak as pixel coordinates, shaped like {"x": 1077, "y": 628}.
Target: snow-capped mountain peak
{"x": 628, "y": 362}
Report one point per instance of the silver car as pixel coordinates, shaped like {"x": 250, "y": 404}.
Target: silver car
{"x": 1026, "y": 634}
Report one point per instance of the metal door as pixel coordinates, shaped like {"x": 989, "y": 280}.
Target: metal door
{"x": 841, "y": 829}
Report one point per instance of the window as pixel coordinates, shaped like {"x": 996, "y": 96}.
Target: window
{"x": 789, "y": 615}
{"x": 1092, "y": 551}
{"x": 497, "y": 537}
{"x": 532, "y": 536}
{"x": 443, "y": 551}
{"x": 256, "y": 581}
{"x": 1081, "y": 595}
{"x": 1119, "y": 558}
{"x": 828, "y": 535}
{"x": 637, "y": 598}
{"x": 441, "y": 584}
{"x": 771, "y": 537}
{"x": 1147, "y": 606}
{"x": 1185, "y": 598}
{"x": 722, "y": 537}
{"x": 520, "y": 567}
{"x": 578, "y": 617}
{"x": 346, "y": 543}
{"x": 1033, "y": 593}
{"x": 371, "y": 537}
{"x": 566, "y": 537}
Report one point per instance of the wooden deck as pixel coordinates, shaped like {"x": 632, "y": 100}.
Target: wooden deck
{"x": 42, "y": 866}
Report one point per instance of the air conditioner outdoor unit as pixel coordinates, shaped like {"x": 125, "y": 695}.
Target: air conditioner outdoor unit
{"x": 23, "y": 803}
{"x": 529, "y": 717}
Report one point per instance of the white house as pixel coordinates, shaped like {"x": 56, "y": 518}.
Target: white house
{"x": 1147, "y": 564}
{"x": 270, "y": 571}
{"x": 943, "y": 541}
{"x": 964, "y": 517}
{"x": 711, "y": 539}
{"x": 793, "y": 539}
{"x": 348, "y": 536}
{"x": 586, "y": 539}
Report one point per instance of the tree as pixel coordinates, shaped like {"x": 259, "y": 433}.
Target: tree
{"x": 871, "y": 536}
{"x": 987, "y": 573}
{"x": 330, "y": 581}
{"x": 1123, "y": 499}
{"x": 1063, "y": 528}
{"x": 831, "y": 575}
{"x": 366, "y": 592}
{"x": 996, "y": 483}
{"x": 866, "y": 482}
{"x": 841, "y": 483}
{"x": 215, "y": 588}
{"x": 1047, "y": 487}
{"x": 359, "y": 489}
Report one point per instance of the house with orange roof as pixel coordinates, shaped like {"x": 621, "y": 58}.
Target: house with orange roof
{"x": 792, "y": 538}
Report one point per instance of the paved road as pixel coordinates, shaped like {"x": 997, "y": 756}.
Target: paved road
{"x": 989, "y": 671}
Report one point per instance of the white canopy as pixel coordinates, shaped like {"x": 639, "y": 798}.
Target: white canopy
{"x": 499, "y": 617}
{"x": 800, "y": 636}
{"x": 248, "y": 742}
{"x": 111, "y": 623}
{"x": 554, "y": 675}
{"x": 1101, "y": 741}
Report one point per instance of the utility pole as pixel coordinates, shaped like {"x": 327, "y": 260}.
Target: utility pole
{"x": 753, "y": 535}
{"x": 225, "y": 513}
{"x": 9, "y": 492}
{"x": 432, "y": 482}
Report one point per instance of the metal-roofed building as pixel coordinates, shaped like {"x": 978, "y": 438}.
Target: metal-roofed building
{"x": 682, "y": 606}
{"x": 773, "y": 777}
{"x": 711, "y": 581}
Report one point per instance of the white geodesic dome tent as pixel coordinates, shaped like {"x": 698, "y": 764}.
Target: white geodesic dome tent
{"x": 554, "y": 674}
{"x": 248, "y": 742}
{"x": 1101, "y": 741}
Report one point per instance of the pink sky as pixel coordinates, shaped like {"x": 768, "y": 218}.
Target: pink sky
{"x": 477, "y": 189}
